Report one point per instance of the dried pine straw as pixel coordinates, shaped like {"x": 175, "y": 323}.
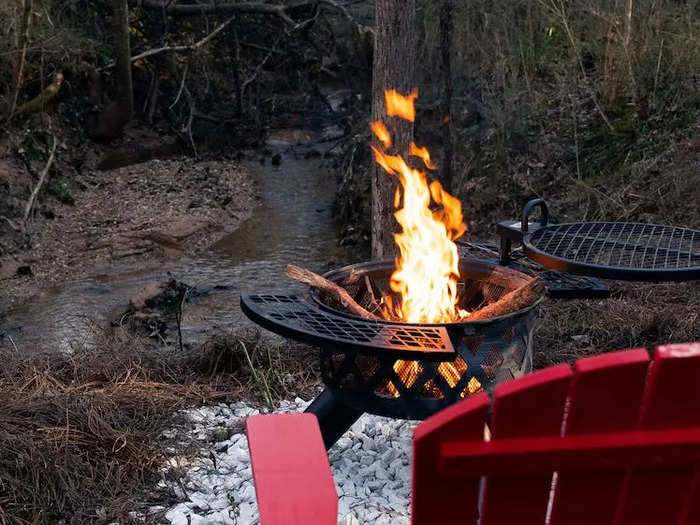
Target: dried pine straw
{"x": 79, "y": 434}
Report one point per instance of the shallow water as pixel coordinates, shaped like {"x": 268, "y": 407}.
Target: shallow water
{"x": 293, "y": 224}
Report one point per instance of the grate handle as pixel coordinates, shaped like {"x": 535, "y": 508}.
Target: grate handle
{"x": 529, "y": 207}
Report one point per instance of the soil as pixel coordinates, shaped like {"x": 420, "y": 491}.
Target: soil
{"x": 127, "y": 216}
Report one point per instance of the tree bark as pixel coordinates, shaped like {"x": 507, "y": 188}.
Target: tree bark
{"x": 446, "y": 28}
{"x": 22, "y": 41}
{"x": 122, "y": 51}
{"x": 393, "y": 67}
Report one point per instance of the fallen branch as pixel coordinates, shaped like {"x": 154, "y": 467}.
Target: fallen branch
{"x": 11, "y": 223}
{"x": 513, "y": 301}
{"x": 39, "y": 102}
{"x": 42, "y": 178}
{"x": 321, "y": 283}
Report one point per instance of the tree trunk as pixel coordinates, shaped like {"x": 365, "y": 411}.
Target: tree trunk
{"x": 446, "y": 11}
{"x": 22, "y": 40}
{"x": 393, "y": 66}
{"x": 122, "y": 51}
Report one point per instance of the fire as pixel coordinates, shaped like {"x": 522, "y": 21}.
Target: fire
{"x": 427, "y": 269}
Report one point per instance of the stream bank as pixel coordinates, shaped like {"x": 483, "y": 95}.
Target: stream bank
{"x": 233, "y": 229}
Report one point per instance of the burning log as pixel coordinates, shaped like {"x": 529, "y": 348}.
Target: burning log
{"x": 513, "y": 301}
{"x": 321, "y": 283}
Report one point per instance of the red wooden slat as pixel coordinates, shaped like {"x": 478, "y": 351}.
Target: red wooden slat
{"x": 436, "y": 497}
{"x": 691, "y": 512}
{"x": 587, "y": 452}
{"x": 293, "y": 481}
{"x": 529, "y": 407}
{"x": 605, "y": 395}
{"x": 671, "y": 400}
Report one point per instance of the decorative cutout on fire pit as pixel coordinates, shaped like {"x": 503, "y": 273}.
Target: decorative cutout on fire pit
{"x": 291, "y": 316}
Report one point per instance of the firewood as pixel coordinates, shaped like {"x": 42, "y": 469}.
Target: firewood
{"x": 513, "y": 301}
{"x": 321, "y": 283}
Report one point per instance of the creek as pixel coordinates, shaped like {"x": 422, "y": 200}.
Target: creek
{"x": 293, "y": 224}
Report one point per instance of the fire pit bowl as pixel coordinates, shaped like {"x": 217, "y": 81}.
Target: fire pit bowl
{"x": 486, "y": 352}
{"x": 395, "y": 369}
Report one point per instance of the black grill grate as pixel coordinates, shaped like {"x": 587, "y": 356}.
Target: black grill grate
{"x": 291, "y": 316}
{"x": 618, "y": 250}
{"x": 559, "y": 284}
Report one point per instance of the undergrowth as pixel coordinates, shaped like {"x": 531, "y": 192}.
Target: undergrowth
{"x": 80, "y": 432}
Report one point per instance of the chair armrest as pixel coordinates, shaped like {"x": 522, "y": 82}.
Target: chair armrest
{"x": 293, "y": 480}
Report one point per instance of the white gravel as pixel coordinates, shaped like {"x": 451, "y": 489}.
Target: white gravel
{"x": 370, "y": 463}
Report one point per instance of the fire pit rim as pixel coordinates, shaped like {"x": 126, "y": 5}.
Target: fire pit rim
{"x": 383, "y": 264}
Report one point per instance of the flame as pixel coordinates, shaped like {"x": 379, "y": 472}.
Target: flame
{"x": 423, "y": 153}
{"x": 380, "y": 131}
{"x": 401, "y": 106}
{"x": 427, "y": 270}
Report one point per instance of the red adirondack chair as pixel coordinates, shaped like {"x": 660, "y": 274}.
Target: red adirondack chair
{"x": 622, "y": 435}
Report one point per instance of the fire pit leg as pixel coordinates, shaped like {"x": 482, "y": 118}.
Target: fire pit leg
{"x": 334, "y": 416}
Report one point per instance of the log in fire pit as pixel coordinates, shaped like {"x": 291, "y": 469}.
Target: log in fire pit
{"x": 405, "y": 370}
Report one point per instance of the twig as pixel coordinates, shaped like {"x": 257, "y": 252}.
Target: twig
{"x": 321, "y": 283}
{"x": 178, "y": 316}
{"x": 513, "y": 301}
{"x": 182, "y": 86}
{"x": 188, "y": 129}
{"x": 260, "y": 379}
{"x": 42, "y": 177}
{"x": 11, "y": 223}
{"x": 260, "y": 65}
{"x": 179, "y": 49}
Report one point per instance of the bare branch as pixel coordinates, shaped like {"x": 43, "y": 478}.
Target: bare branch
{"x": 42, "y": 177}
{"x": 281, "y": 11}
{"x": 179, "y": 49}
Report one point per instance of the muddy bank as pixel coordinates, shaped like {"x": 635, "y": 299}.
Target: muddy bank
{"x": 131, "y": 216}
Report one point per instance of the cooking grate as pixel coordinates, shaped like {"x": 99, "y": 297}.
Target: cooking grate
{"x": 617, "y": 250}
{"x": 291, "y": 316}
{"x": 559, "y": 285}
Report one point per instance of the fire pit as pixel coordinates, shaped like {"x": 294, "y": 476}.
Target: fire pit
{"x": 409, "y": 337}
{"x": 395, "y": 369}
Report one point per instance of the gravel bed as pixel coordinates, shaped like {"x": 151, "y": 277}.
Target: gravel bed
{"x": 370, "y": 463}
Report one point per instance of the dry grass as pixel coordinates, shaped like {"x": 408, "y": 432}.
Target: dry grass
{"x": 638, "y": 315}
{"x": 80, "y": 433}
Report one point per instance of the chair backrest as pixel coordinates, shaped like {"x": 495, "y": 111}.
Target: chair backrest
{"x": 614, "y": 441}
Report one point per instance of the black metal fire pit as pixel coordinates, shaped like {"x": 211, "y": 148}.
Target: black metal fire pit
{"x": 395, "y": 369}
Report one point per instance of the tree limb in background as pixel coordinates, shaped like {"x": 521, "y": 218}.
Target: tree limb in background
{"x": 22, "y": 41}
{"x": 281, "y": 11}
{"x": 39, "y": 102}
{"x": 42, "y": 178}
{"x": 179, "y": 49}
